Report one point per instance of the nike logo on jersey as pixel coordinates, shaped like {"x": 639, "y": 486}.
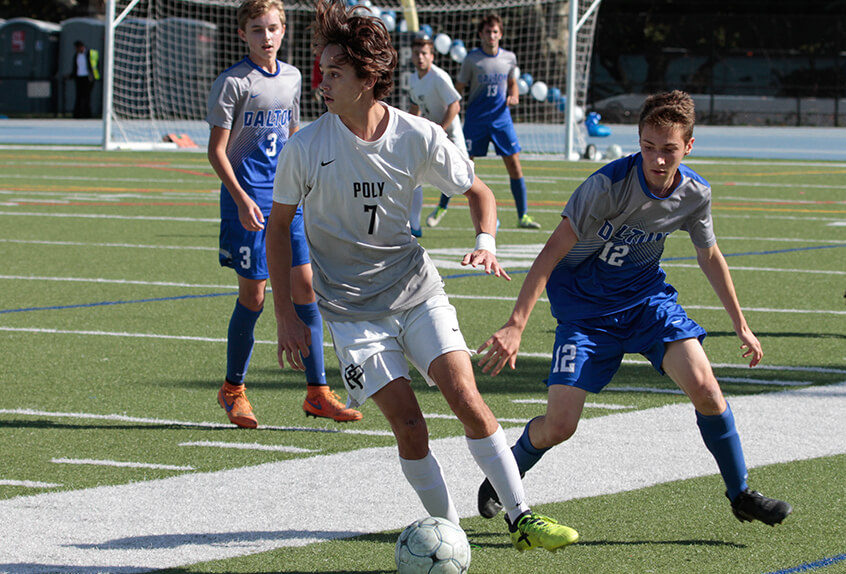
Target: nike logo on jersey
{"x": 325, "y": 163}
{"x": 254, "y": 96}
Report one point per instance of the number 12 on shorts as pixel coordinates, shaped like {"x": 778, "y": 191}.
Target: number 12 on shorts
{"x": 564, "y": 359}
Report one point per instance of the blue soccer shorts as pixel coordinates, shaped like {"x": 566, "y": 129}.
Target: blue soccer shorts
{"x": 587, "y": 353}
{"x": 244, "y": 250}
{"x": 501, "y": 133}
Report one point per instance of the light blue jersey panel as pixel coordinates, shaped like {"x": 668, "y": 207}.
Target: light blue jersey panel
{"x": 487, "y": 78}
{"x": 621, "y": 229}
{"x": 260, "y": 109}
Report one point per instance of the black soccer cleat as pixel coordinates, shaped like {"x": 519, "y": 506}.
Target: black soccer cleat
{"x": 752, "y": 505}
{"x": 489, "y": 504}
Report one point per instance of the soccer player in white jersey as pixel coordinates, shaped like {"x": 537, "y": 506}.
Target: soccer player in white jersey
{"x": 489, "y": 73}
{"x": 601, "y": 269}
{"x": 354, "y": 170}
{"x": 434, "y": 97}
{"x": 254, "y": 107}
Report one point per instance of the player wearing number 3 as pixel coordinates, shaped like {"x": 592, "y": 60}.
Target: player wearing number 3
{"x": 608, "y": 292}
{"x": 254, "y": 107}
{"x": 354, "y": 169}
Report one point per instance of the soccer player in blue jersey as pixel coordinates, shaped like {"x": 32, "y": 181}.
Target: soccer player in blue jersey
{"x": 489, "y": 72}
{"x": 609, "y": 294}
{"x": 254, "y": 107}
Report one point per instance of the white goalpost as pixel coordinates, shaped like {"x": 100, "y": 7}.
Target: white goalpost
{"x": 163, "y": 55}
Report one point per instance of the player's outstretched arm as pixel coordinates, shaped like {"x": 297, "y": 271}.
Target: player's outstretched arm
{"x": 483, "y": 213}
{"x": 249, "y": 213}
{"x": 505, "y": 343}
{"x": 294, "y": 337}
{"x": 715, "y": 268}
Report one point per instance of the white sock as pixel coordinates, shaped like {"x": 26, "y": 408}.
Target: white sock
{"x": 427, "y": 479}
{"x": 416, "y": 207}
{"x": 497, "y": 462}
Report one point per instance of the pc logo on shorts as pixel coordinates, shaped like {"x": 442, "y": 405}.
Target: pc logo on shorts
{"x": 353, "y": 375}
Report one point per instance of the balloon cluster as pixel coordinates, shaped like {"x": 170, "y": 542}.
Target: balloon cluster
{"x": 458, "y": 51}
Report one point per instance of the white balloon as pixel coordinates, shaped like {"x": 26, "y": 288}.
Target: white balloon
{"x": 539, "y": 91}
{"x": 579, "y": 113}
{"x": 522, "y": 87}
{"x": 390, "y": 21}
{"x": 443, "y": 43}
{"x": 403, "y": 26}
{"x": 458, "y": 53}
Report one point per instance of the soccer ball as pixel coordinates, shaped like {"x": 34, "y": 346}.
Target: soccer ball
{"x": 432, "y": 545}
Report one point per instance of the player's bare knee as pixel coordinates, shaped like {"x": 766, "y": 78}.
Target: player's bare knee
{"x": 556, "y": 431}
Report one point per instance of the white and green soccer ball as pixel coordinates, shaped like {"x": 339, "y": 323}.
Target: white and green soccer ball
{"x": 432, "y": 545}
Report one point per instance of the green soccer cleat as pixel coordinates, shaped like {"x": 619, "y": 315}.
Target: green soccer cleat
{"x": 537, "y": 531}
{"x": 526, "y": 222}
{"x": 435, "y": 217}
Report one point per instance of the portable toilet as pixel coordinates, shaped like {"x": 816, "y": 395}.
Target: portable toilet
{"x": 28, "y": 68}
{"x": 92, "y": 33}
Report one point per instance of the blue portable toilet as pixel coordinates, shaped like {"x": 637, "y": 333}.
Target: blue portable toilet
{"x": 28, "y": 66}
{"x": 92, "y": 33}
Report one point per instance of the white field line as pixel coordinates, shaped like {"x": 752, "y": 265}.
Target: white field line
{"x": 625, "y": 389}
{"x": 28, "y": 483}
{"x": 251, "y": 446}
{"x": 120, "y": 464}
{"x": 98, "y": 245}
{"x": 119, "y": 217}
{"x": 173, "y": 522}
{"x": 167, "y": 422}
{"x": 765, "y": 382}
{"x": 116, "y": 281}
{"x": 606, "y": 406}
{"x": 327, "y": 344}
{"x": 452, "y": 417}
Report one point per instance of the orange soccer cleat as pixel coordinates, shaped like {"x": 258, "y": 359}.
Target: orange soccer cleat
{"x": 234, "y": 401}
{"x": 322, "y": 402}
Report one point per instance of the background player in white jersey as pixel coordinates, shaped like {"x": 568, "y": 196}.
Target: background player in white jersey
{"x": 489, "y": 72}
{"x": 434, "y": 97}
{"x": 601, "y": 268}
{"x": 254, "y": 107}
{"x": 354, "y": 169}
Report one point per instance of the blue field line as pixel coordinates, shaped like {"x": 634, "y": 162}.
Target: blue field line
{"x": 104, "y": 303}
{"x": 445, "y": 277}
{"x": 812, "y": 565}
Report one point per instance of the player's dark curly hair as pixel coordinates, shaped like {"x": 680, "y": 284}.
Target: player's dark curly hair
{"x": 669, "y": 109}
{"x": 363, "y": 39}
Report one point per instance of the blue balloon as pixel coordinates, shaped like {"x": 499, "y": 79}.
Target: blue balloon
{"x": 553, "y": 95}
{"x": 562, "y": 104}
{"x": 426, "y": 29}
{"x": 527, "y": 77}
{"x": 458, "y": 43}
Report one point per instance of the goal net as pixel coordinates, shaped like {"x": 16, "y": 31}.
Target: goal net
{"x": 167, "y": 53}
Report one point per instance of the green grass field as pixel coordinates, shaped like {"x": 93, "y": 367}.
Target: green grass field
{"x": 113, "y": 318}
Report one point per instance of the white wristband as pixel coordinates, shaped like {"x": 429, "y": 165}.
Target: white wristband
{"x": 487, "y": 242}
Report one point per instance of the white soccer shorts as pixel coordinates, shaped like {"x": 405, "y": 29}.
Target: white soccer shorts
{"x": 373, "y": 353}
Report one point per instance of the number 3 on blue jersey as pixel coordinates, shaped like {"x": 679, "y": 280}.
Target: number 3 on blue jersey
{"x": 271, "y": 150}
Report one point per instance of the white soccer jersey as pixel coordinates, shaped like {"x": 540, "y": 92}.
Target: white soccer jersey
{"x": 433, "y": 94}
{"x": 356, "y": 198}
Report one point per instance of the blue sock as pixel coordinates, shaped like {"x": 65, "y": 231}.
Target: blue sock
{"x": 525, "y": 452}
{"x": 310, "y": 315}
{"x": 721, "y": 438}
{"x": 518, "y": 190}
{"x": 240, "y": 340}
{"x": 444, "y": 201}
